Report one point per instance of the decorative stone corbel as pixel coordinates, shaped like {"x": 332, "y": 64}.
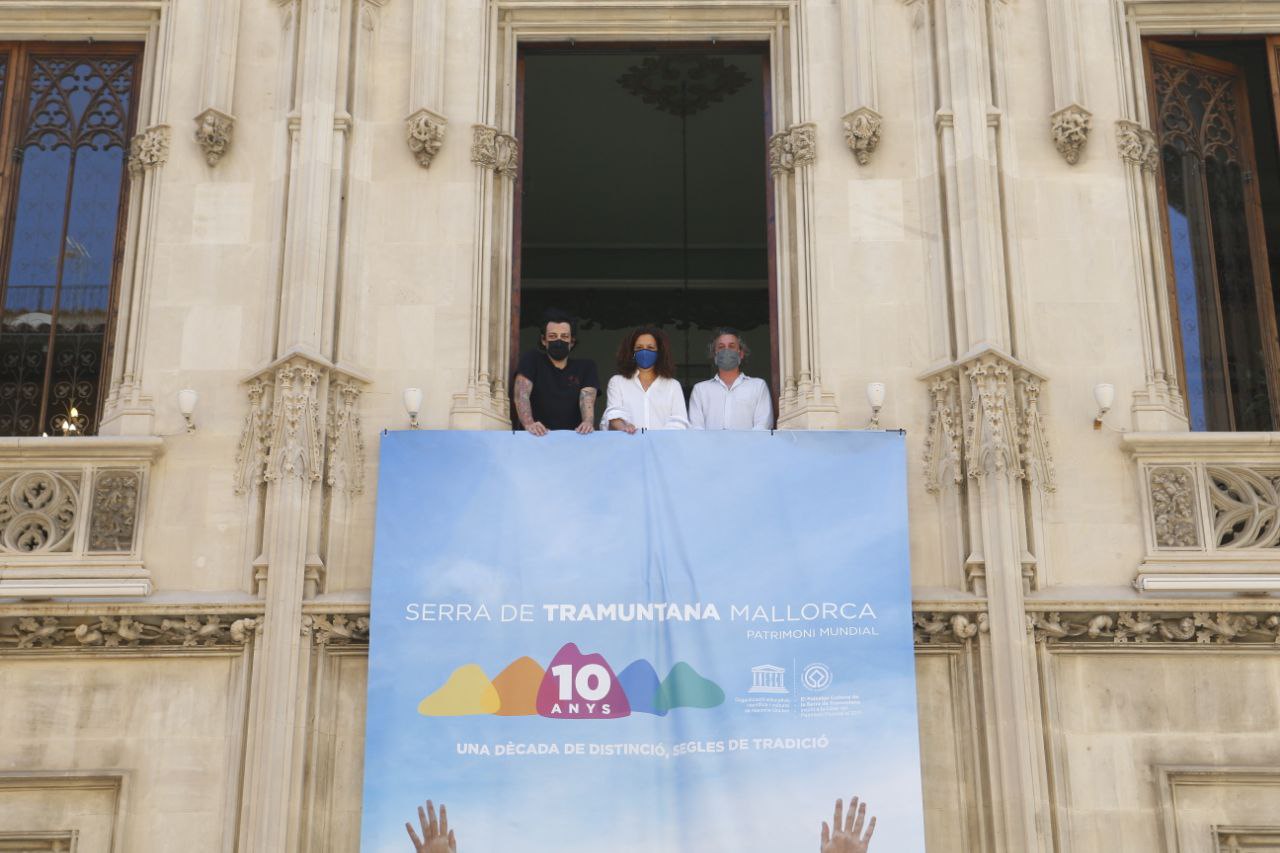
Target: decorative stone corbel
{"x": 1070, "y": 126}
{"x": 792, "y": 148}
{"x": 214, "y": 125}
{"x": 213, "y": 134}
{"x": 1070, "y": 122}
{"x": 149, "y": 149}
{"x": 345, "y": 444}
{"x": 495, "y": 150}
{"x": 942, "y": 459}
{"x": 281, "y": 434}
{"x": 862, "y": 119}
{"x": 862, "y": 132}
{"x": 1003, "y": 429}
{"x": 295, "y": 447}
{"x": 1137, "y": 145}
{"x": 425, "y": 126}
{"x": 425, "y": 133}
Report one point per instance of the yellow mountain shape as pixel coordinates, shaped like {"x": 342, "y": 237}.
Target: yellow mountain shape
{"x": 468, "y": 691}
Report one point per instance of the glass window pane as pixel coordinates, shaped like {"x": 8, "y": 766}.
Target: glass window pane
{"x": 72, "y": 142}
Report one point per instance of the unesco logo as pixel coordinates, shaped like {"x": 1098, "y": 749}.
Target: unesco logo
{"x": 816, "y": 676}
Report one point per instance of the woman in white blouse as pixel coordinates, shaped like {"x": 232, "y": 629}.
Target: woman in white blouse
{"x": 645, "y": 393}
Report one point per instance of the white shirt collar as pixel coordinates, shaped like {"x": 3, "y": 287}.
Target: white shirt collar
{"x": 741, "y": 377}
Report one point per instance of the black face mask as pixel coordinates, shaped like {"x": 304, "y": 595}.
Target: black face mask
{"x": 558, "y": 350}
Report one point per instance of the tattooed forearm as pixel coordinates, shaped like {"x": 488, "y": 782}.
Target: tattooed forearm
{"x": 587, "y": 404}
{"x": 524, "y": 408}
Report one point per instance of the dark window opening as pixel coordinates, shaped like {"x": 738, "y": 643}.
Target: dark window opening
{"x": 1215, "y": 117}
{"x": 67, "y": 121}
{"x": 643, "y": 200}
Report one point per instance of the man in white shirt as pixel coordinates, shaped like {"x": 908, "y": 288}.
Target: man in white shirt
{"x": 730, "y": 399}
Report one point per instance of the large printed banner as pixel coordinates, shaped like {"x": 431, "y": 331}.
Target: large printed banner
{"x": 672, "y": 642}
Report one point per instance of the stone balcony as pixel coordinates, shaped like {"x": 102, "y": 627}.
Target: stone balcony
{"x": 1210, "y": 504}
{"x": 71, "y": 513}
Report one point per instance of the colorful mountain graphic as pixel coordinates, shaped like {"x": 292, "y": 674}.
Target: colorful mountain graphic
{"x": 592, "y": 689}
{"x": 685, "y": 688}
{"x": 640, "y": 682}
{"x": 517, "y": 687}
{"x": 570, "y": 696}
{"x": 467, "y": 691}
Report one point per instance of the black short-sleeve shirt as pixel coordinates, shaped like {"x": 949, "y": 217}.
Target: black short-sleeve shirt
{"x": 555, "y": 391}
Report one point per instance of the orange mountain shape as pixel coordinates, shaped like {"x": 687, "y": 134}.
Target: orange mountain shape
{"x": 517, "y": 687}
{"x": 468, "y": 691}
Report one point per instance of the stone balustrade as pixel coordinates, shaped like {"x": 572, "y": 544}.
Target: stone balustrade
{"x": 71, "y": 513}
{"x": 1210, "y": 501}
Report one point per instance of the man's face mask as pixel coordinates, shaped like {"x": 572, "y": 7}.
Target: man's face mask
{"x": 558, "y": 350}
{"x": 728, "y": 359}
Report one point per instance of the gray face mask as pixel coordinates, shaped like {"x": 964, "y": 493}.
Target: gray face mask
{"x": 728, "y": 359}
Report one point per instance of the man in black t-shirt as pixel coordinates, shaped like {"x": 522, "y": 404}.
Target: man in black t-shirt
{"x": 551, "y": 390}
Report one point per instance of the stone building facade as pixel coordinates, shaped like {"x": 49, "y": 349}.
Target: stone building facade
{"x": 969, "y": 203}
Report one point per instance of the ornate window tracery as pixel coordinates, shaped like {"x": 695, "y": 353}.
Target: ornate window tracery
{"x": 68, "y": 119}
{"x": 1216, "y": 241}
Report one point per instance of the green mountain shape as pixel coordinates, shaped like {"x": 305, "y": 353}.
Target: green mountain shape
{"x": 684, "y": 688}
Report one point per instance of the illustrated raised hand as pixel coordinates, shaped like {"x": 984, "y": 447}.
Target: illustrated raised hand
{"x": 848, "y": 837}
{"x": 437, "y": 837}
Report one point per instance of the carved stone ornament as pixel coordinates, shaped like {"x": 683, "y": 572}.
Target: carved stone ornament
{"x": 149, "y": 149}
{"x": 1121, "y": 627}
{"x": 1070, "y": 126}
{"x": 296, "y": 451}
{"x": 336, "y": 629}
{"x": 942, "y": 460}
{"x": 1173, "y": 507}
{"x": 38, "y": 512}
{"x": 948, "y": 629}
{"x": 862, "y": 132}
{"x": 346, "y": 442}
{"x": 792, "y": 148}
{"x": 1004, "y": 430}
{"x": 114, "y": 631}
{"x": 1138, "y": 146}
{"x": 1246, "y": 507}
{"x": 425, "y": 133}
{"x": 495, "y": 150}
{"x": 113, "y": 517}
{"x": 213, "y": 134}
{"x": 251, "y": 453}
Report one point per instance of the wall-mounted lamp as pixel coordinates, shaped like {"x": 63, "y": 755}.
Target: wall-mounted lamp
{"x": 875, "y": 396}
{"x": 187, "y": 399}
{"x": 413, "y": 405}
{"x": 1104, "y": 394}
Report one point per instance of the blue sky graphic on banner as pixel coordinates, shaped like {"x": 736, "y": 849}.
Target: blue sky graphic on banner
{"x": 672, "y": 642}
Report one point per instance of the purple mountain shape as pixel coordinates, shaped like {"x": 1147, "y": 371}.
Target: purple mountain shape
{"x": 640, "y": 682}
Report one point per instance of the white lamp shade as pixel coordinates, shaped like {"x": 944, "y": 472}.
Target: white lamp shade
{"x": 413, "y": 400}
{"x": 1104, "y": 393}
{"x": 187, "y": 399}
{"x": 875, "y": 394}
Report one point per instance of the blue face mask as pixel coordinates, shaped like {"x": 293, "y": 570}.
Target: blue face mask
{"x": 645, "y": 358}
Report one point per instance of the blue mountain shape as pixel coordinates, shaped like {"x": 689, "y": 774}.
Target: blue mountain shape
{"x": 640, "y": 682}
